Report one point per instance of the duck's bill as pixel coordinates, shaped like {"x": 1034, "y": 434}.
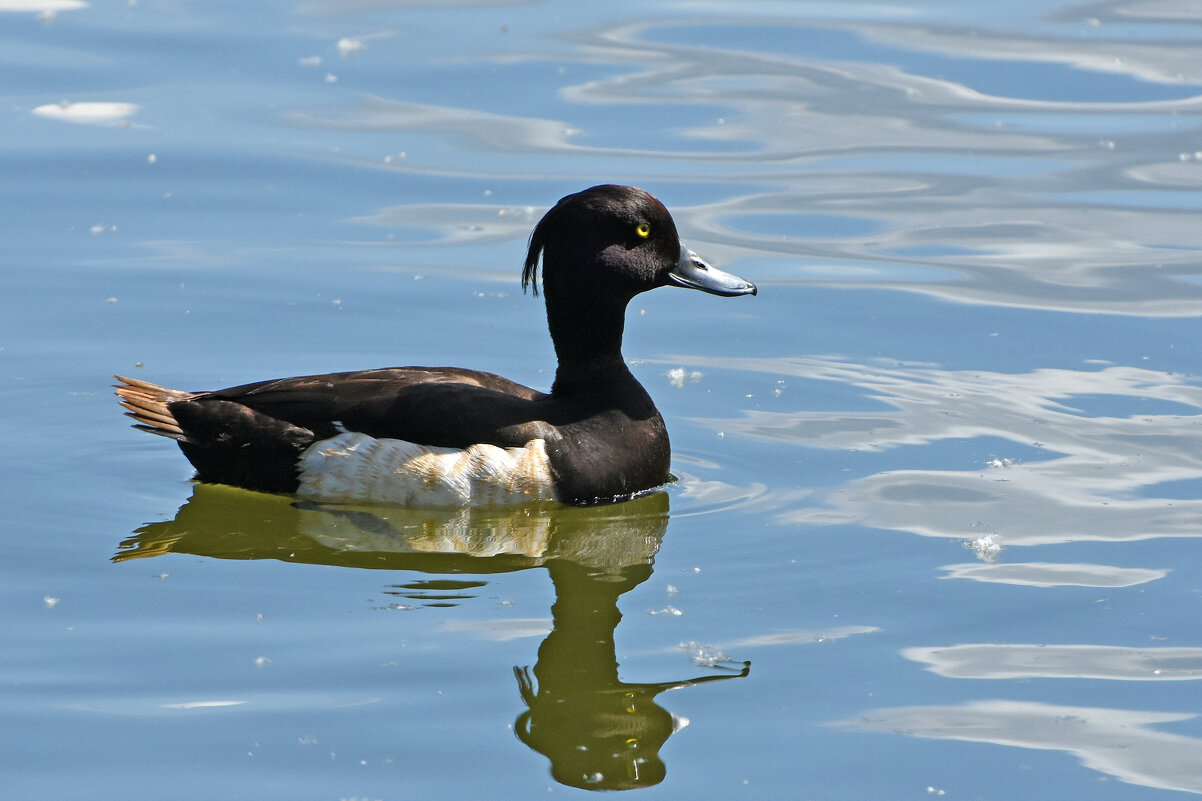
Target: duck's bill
{"x": 693, "y": 273}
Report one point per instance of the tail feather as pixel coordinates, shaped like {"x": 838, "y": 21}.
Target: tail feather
{"x": 147, "y": 404}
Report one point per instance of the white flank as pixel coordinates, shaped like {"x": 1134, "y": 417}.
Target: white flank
{"x": 354, "y": 466}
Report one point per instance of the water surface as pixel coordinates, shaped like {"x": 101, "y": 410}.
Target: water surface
{"x": 939, "y": 484}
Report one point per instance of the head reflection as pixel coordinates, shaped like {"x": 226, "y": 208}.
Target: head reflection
{"x": 598, "y": 732}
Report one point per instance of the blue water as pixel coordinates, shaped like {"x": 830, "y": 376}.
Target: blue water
{"x": 940, "y": 483}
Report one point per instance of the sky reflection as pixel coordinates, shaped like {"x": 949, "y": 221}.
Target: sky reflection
{"x": 1120, "y": 743}
{"x": 1021, "y": 661}
{"x": 1083, "y": 475}
{"x": 1046, "y": 574}
{"x": 1041, "y": 208}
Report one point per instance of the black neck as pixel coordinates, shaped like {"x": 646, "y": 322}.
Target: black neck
{"x": 588, "y": 345}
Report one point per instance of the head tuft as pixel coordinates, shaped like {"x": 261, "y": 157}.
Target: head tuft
{"x": 538, "y": 240}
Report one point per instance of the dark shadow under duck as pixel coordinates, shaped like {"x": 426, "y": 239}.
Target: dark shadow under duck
{"x": 452, "y": 436}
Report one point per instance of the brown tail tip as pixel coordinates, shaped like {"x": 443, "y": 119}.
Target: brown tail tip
{"x": 147, "y": 403}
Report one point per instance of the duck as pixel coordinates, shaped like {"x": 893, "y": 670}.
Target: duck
{"x": 450, "y": 436}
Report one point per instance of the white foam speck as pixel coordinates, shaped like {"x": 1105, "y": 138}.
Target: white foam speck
{"x": 678, "y": 377}
{"x": 309, "y": 61}
{"x": 50, "y": 601}
{"x": 986, "y": 548}
{"x": 705, "y": 656}
{"x": 350, "y": 44}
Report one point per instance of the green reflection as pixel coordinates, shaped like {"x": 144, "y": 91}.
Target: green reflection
{"x": 599, "y": 732}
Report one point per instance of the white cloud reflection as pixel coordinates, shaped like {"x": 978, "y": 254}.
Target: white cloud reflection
{"x": 1119, "y": 743}
{"x": 502, "y": 630}
{"x": 340, "y": 7}
{"x": 1173, "y": 62}
{"x": 1096, "y": 477}
{"x": 481, "y": 128}
{"x": 1050, "y": 574}
{"x": 89, "y": 113}
{"x": 801, "y": 636}
{"x": 42, "y": 6}
{"x": 1160, "y": 10}
{"x": 458, "y": 223}
{"x": 1021, "y": 661}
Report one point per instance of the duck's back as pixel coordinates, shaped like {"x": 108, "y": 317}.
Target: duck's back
{"x": 444, "y": 406}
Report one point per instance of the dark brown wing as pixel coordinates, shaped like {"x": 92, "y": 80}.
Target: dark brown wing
{"x": 445, "y": 406}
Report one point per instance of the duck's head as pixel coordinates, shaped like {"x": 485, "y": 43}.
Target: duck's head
{"x": 609, "y": 243}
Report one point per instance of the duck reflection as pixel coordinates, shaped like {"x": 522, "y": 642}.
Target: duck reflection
{"x": 598, "y": 731}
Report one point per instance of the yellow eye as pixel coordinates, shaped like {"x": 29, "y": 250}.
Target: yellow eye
{"x": 643, "y": 230}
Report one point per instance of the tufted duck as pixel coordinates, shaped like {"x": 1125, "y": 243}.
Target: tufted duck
{"x": 450, "y": 436}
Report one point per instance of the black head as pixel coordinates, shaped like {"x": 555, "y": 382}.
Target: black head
{"x": 616, "y": 239}
{"x": 599, "y": 249}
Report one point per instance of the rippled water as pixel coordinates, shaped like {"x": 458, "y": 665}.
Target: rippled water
{"x": 940, "y": 484}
